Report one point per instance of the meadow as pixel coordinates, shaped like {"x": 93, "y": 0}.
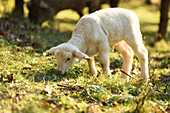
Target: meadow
{"x": 29, "y": 82}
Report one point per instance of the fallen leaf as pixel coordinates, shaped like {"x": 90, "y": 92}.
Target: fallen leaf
{"x": 102, "y": 71}
{"x": 7, "y": 78}
{"x": 47, "y": 104}
{"x": 10, "y": 77}
{"x": 3, "y": 33}
{"x": 112, "y": 91}
{"x": 114, "y": 72}
{"x": 55, "y": 110}
{"x": 88, "y": 76}
{"x": 157, "y": 77}
{"x": 114, "y": 104}
{"x": 20, "y": 96}
{"x": 42, "y": 63}
{"x": 92, "y": 109}
{"x": 27, "y": 68}
{"x": 47, "y": 90}
{"x": 19, "y": 49}
{"x": 13, "y": 107}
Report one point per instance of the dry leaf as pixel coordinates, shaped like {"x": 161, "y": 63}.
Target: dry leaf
{"x": 42, "y": 63}
{"x": 47, "y": 90}
{"x": 27, "y": 68}
{"x": 3, "y": 33}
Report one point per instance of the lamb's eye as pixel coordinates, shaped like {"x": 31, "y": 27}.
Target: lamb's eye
{"x": 68, "y": 59}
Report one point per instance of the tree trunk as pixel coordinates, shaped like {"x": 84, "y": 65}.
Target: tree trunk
{"x": 148, "y": 2}
{"x": 163, "y": 20}
{"x": 18, "y": 11}
{"x": 114, "y": 3}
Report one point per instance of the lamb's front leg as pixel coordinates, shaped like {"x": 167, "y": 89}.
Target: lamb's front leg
{"x": 92, "y": 66}
{"x": 104, "y": 60}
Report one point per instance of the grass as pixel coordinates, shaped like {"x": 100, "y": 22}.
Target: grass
{"x": 30, "y": 83}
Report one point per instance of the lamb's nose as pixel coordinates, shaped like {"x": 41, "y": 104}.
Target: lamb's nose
{"x": 59, "y": 71}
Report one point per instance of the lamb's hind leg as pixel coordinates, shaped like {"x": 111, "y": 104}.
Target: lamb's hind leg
{"x": 127, "y": 54}
{"x": 135, "y": 42}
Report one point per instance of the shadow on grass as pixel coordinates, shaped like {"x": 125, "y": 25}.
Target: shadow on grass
{"x": 52, "y": 75}
{"x": 149, "y": 33}
{"x": 23, "y": 33}
{"x": 150, "y": 38}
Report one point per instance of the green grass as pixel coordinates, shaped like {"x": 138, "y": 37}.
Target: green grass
{"x": 29, "y": 81}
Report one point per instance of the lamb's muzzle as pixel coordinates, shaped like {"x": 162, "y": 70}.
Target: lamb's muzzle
{"x": 96, "y": 32}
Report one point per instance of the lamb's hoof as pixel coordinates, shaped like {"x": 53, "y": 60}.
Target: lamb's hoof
{"x": 145, "y": 80}
{"x": 109, "y": 76}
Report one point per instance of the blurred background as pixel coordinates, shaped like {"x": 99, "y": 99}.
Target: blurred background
{"x": 45, "y": 23}
{"x": 29, "y": 82}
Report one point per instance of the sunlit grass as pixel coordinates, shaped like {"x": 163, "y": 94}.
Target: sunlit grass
{"x": 6, "y": 6}
{"x": 29, "y": 81}
{"x": 67, "y": 14}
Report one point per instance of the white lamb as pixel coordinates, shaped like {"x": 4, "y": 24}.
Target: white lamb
{"x": 95, "y": 33}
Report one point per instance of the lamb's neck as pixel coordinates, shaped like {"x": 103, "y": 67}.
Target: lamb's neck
{"x": 78, "y": 41}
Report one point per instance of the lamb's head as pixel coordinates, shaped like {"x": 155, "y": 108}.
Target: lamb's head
{"x": 66, "y": 55}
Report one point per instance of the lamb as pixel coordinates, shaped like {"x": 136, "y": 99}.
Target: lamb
{"x": 95, "y": 33}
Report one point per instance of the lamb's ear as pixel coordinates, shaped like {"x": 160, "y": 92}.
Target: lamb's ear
{"x": 52, "y": 50}
{"x": 82, "y": 55}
